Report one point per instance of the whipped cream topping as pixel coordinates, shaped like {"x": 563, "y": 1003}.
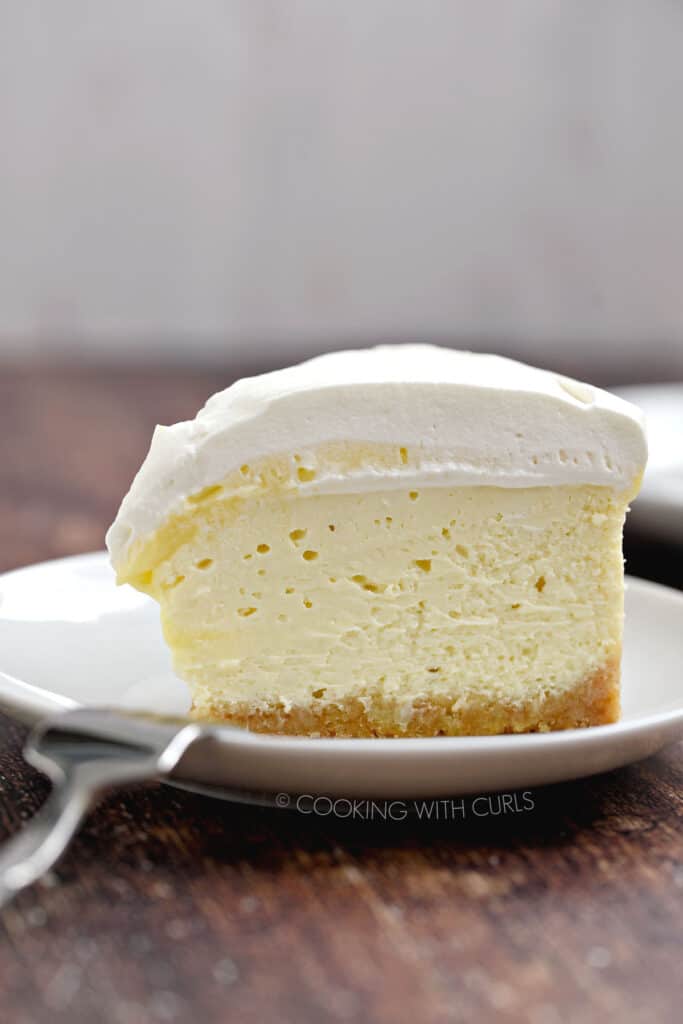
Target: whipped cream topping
{"x": 474, "y": 419}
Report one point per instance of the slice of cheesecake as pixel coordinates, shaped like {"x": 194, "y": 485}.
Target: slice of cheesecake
{"x": 402, "y": 541}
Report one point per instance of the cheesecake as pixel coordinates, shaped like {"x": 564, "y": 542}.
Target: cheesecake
{"x": 399, "y": 541}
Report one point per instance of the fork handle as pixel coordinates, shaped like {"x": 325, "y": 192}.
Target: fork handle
{"x": 94, "y": 758}
{"x": 38, "y": 846}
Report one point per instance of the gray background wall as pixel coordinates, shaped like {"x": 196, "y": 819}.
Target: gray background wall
{"x": 207, "y": 179}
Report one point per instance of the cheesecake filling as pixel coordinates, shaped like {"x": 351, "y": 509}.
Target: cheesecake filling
{"x": 293, "y": 606}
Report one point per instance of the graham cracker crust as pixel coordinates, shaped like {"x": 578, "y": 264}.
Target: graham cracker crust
{"x": 593, "y": 701}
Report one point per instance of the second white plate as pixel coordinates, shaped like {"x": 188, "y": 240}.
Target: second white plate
{"x": 658, "y": 510}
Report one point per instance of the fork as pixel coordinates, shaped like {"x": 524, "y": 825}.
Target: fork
{"x": 85, "y": 753}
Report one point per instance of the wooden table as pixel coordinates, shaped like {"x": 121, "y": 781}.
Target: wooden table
{"x": 174, "y": 907}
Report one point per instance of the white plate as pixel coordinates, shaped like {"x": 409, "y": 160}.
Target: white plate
{"x": 659, "y": 506}
{"x": 69, "y": 636}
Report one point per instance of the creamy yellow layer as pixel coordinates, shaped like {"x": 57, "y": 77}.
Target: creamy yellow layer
{"x": 272, "y": 595}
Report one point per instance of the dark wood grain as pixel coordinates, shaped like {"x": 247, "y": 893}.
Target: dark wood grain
{"x": 174, "y": 907}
